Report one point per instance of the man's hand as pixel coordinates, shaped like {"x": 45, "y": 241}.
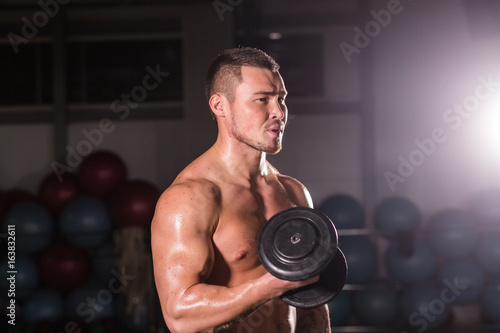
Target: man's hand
{"x": 279, "y": 286}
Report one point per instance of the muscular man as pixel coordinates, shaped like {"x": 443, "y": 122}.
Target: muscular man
{"x": 206, "y": 225}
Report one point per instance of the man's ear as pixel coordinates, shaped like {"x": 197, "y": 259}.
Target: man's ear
{"x": 218, "y": 104}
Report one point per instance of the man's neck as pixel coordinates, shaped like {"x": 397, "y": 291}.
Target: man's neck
{"x": 242, "y": 162}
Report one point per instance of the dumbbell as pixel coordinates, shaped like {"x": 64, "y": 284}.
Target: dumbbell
{"x": 297, "y": 244}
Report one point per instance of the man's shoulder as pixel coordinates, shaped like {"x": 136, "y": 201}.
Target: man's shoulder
{"x": 290, "y": 182}
{"x": 189, "y": 187}
{"x": 195, "y": 201}
{"x": 196, "y": 181}
{"x": 197, "y": 176}
{"x": 296, "y": 190}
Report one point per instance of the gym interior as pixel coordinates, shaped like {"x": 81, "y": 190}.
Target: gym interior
{"x": 394, "y": 128}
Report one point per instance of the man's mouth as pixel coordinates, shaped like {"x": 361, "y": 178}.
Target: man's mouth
{"x": 277, "y": 129}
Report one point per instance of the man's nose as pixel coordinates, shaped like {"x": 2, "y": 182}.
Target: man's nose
{"x": 278, "y": 110}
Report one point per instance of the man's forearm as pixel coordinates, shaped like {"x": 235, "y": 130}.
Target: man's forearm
{"x": 219, "y": 308}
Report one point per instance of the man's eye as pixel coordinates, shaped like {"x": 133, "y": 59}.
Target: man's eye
{"x": 264, "y": 99}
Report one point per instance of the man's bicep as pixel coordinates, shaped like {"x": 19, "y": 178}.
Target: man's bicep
{"x": 181, "y": 243}
{"x": 185, "y": 255}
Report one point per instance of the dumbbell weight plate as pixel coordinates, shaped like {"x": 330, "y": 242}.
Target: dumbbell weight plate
{"x": 331, "y": 281}
{"x": 297, "y": 244}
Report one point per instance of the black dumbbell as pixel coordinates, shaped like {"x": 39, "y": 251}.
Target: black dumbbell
{"x": 297, "y": 244}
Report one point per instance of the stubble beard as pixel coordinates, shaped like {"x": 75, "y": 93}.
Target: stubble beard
{"x": 259, "y": 145}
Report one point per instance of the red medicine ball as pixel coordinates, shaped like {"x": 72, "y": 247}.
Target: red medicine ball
{"x": 101, "y": 172}
{"x": 133, "y": 204}
{"x": 64, "y": 266}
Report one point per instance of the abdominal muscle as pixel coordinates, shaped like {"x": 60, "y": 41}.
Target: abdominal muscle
{"x": 236, "y": 261}
{"x": 273, "y": 317}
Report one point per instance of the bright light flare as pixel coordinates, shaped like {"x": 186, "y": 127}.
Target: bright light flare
{"x": 489, "y": 124}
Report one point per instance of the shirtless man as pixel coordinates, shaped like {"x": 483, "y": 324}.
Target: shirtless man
{"x": 206, "y": 225}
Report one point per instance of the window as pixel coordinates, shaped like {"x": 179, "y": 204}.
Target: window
{"x": 26, "y": 76}
{"x": 101, "y": 71}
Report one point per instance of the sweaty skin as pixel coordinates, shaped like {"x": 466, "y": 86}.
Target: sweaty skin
{"x": 206, "y": 225}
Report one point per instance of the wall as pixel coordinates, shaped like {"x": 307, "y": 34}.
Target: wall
{"x": 26, "y": 153}
{"x": 154, "y": 150}
{"x": 426, "y": 61}
{"x": 323, "y": 152}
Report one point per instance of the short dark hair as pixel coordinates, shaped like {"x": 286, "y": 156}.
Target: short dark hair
{"x": 224, "y": 74}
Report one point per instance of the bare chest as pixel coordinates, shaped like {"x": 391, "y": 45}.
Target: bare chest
{"x": 243, "y": 214}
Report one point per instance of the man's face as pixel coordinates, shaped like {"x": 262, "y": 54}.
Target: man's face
{"x": 258, "y": 112}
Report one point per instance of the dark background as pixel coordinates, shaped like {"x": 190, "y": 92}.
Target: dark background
{"x": 361, "y": 123}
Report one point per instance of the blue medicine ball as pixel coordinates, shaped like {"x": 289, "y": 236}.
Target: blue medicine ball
{"x": 340, "y": 308}
{"x": 43, "y": 305}
{"x": 33, "y": 226}
{"x": 488, "y": 253}
{"x": 397, "y": 214}
{"x": 90, "y": 302}
{"x": 415, "y": 268}
{"x": 452, "y": 233}
{"x": 490, "y": 302}
{"x": 85, "y": 221}
{"x": 361, "y": 256}
{"x": 464, "y": 277}
{"x": 377, "y": 304}
{"x": 344, "y": 211}
{"x": 423, "y": 307}
{"x": 24, "y": 281}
